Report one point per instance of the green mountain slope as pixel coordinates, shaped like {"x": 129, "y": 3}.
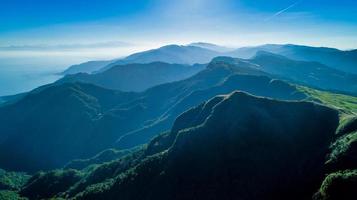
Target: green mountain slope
{"x": 233, "y": 146}
{"x": 61, "y": 122}
{"x": 256, "y": 85}
{"x": 50, "y": 126}
{"x": 12, "y": 180}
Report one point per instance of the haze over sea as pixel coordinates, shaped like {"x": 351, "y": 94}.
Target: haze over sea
{"x": 25, "y": 68}
{"x": 21, "y": 76}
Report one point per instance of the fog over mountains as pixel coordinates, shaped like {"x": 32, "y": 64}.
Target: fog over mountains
{"x": 204, "y": 52}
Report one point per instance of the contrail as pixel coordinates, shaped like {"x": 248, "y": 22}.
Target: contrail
{"x": 282, "y": 11}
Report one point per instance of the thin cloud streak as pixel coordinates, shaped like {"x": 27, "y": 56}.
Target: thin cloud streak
{"x": 41, "y": 47}
{"x": 283, "y": 10}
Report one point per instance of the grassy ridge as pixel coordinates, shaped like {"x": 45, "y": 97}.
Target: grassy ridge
{"x": 346, "y": 104}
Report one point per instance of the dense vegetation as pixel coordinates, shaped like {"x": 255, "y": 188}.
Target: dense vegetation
{"x": 344, "y": 103}
{"x": 338, "y": 186}
{"x": 46, "y": 185}
{"x": 12, "y": 180}
{"x": 10, "y": 183}
{"x": 191, "y": 151}
{"x": 201, "y": 158}
{"x": 10, "y": 195}
{"x": 100, "y": 158}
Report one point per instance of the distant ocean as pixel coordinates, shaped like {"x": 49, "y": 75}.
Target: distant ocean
{"x": 22, "y": 71}
{"x": 19, "y": 75}
{"x": 18, "y": 79}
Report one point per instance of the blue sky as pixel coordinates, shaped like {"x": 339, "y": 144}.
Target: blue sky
{"x": 41, "y": 37}
{"x": 59, "y": 23}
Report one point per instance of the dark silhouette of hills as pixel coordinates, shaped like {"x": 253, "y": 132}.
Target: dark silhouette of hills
{"x": 47, "y": 127}
{"x": 58, "y": 123}
{"x": 257, "y": 85}
{"x": 233, "y": 146}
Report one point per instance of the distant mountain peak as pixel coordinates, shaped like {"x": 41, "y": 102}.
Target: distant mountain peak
{"x": 261, "y": 53}
{"x": 210, "y": 46}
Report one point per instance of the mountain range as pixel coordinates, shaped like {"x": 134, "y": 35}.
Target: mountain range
{"x": 199, "y": 121}
{"x": 76, "y": 120}
{"x": 136, "y": 77}
{"x": 172, "y": 54}
{"x": 232, "y": 146}
{"x": 202, "y": 53}
{"x": 308, "y": 73}
{"x": 334, "y": 58}
{"x": 87, "y": 67}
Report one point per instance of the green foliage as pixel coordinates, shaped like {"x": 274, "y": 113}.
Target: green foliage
{"x": 12, "y": 180}
{"x": 344, "y": 103}
{"x": 100, "y": 158}
{"x": 339, "y": 186}
{"x": 348, "y": 124}
{"x": 107, "y": 171}
{"x": 344, "y": 152}
{"x": 50, "y": 184}
{"x": 132, "y": 176}
{"x": 10, "y": 195}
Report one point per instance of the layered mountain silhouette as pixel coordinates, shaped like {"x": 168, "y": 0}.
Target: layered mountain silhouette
{"x": 157, "y": 125}
{"x": 136, "y": 77}
{"x": 232, "y": 146}
{"x": 202, "y": 53}
{"x": 237, "y": 150}
{"x": 61, "y": 122}
{"x": 173, "y": 54}
{"x": 341, "y": 60}
{"x": 212, "y": 47}
{"x": 257, "y": 85}
{"x": 87, "y": 67}
{"x": 323, "y": 68}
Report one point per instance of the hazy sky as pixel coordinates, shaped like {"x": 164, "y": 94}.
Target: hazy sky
{"x": 32, "y": 25}
{"x": 41, "y": 37}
